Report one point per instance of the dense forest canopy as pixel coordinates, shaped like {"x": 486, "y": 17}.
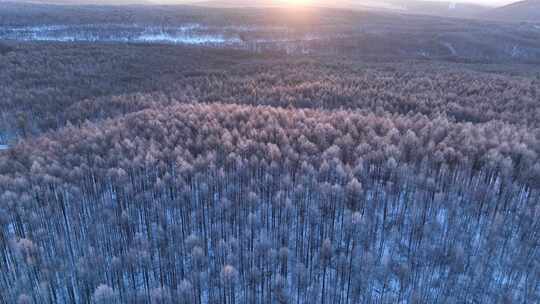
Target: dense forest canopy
{"x": 92, "y": 82}
{"x": 175, "y": 199}
{"x": 356, "y": 173}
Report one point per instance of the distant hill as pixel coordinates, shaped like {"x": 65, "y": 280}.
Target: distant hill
{"x": 446, "y": 9}
{"x": 275, "y": 3}
{"x": 420, "y": 7}
{"x": 236, "y": 3}
{"x": 528, "y": 10}
{"x": 81, "y": 2}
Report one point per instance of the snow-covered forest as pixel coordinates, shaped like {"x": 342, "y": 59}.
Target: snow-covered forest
{"x": 234, "y": 204}
{"x": 176, "y": 156}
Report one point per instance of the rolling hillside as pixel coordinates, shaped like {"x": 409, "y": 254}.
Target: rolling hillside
{"x": 528, "y": 10}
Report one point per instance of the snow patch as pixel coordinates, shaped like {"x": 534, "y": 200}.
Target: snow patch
{"x": 516, "y": 51}
{"x": 248, "y": 28}
{"x": 4, "y": 147}
{"x": 184, "y": 39}
{"x": 423, "y": 53}
{"x": 43, "y": 28}
{"x": 254, "y": 38}
{"x": 451, "y": 48}
{"x": 184, "y": 34}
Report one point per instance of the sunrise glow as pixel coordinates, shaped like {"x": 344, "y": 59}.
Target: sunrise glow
{"x": 299, "y": 2}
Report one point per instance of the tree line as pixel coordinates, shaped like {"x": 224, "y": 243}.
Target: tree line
{"x": 45, "y": 86}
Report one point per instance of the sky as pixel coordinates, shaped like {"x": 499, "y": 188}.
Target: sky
{"x": 489, "y": 2}
{"x": 492, "y": 3}
{"x": 483, "y": 2}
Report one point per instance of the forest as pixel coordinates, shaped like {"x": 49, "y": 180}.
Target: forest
{"x": 92, "y": 82}
{"x": 163, "y": 174}
{"x": 229, "y": 203}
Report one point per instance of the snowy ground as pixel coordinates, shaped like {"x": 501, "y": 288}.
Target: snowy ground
{"x": 254, "y": 38}
{"x": 451, "y": 48}
{"x": 186, "y": 34}
{"x": 292, "y": 40}
{"x": 190, "y": 34}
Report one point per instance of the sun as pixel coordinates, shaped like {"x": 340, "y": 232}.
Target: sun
{"x": 299, "y": 2}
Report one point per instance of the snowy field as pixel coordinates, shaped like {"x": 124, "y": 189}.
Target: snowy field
{"x": 292, "y": 40}
{"x": 187, "y": 34}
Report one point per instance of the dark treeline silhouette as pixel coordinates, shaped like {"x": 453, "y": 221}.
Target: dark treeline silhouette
{"x": 238, "y": 204}
{"x": 44, "y": 86}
